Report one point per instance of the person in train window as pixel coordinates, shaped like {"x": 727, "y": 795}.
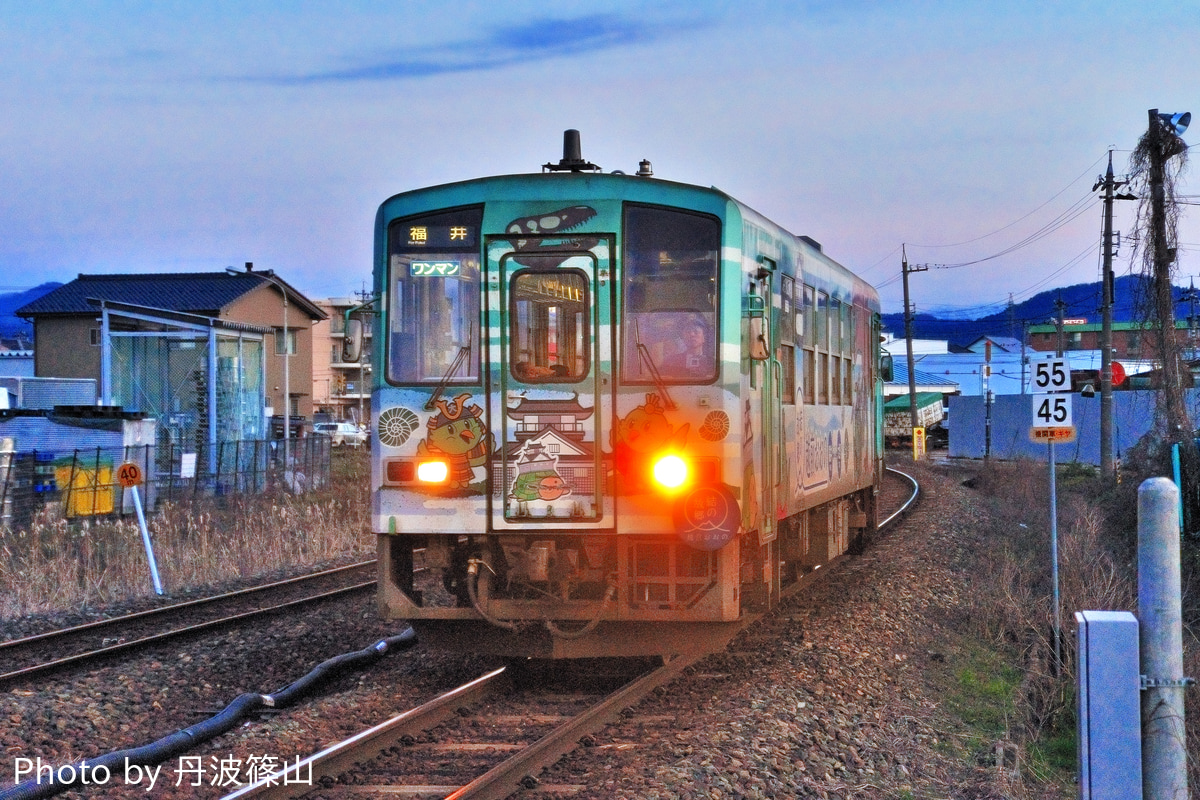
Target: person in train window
{"x": 696, "y": 357}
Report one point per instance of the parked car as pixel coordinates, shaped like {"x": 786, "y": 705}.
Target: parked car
{"x": 342, "y": 433}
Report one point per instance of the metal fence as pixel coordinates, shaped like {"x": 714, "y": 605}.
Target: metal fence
{"x": 87, "y": 482}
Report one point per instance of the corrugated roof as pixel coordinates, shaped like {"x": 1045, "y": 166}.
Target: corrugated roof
{"x": 900, "y": 376}
{"x": 205, "y": 293}
{"x": 901, "y": 402}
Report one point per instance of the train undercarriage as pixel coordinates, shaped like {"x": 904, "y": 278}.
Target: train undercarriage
{"x": 593, "y": 594}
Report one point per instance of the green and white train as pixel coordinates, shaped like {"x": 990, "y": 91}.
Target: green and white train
{"x": 612, "y": 414}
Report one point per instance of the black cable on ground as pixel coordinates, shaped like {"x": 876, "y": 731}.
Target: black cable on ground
{"x": 184, "y": 740}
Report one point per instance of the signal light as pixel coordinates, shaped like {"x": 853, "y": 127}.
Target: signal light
{"x": 671, "y": 471}
{"x": 433, "y": 471}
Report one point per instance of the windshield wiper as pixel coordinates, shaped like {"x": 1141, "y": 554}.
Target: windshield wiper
{"x": 644, "y": 354}
{"x": 463, "y": 352}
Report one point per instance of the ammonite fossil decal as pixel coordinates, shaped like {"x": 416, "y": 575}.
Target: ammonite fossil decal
{"x": 396, "y": 425}
{"x": 715, "y": 426}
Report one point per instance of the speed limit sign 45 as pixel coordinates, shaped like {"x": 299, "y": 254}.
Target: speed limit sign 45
{"x": 1052, "y": 411}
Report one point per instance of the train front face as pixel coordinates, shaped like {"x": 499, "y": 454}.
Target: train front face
{"x": 556, "y": 384}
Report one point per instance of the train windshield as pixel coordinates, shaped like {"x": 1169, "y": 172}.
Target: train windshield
{"x": 434, "y": 286}
{"x": 670, "y": 262}
{"x": 549, "y": 333}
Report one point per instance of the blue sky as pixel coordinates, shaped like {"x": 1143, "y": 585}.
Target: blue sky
{"x": 171, "y": 136}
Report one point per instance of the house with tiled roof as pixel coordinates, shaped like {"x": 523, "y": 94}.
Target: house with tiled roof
{"x": 73, "y": 323}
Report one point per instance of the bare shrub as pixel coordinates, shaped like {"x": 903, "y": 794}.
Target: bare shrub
{"x": 1014, "y": 604}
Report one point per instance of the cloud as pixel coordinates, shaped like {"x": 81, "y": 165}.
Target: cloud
{"x": 528, "y": 42}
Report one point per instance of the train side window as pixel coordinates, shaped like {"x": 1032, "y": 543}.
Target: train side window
{"x": 786, "y": 316}
{"x": 835, "y": 326}
{"x": 787, "y": 359}
{"x": 810, "y": 316}
{"x": 798, "y": 295}
{"x": 823, "y": 379}
{"x": 434, "y": 298}
{"x": 808, "y": 361}
{"x": 808, "y": 330}
{"x": 846, "y": 319}
{"x": 835, "y": 380}
{"x": 848, "y": 381}
{"x": 822, "y": 340}
{"x": 548, "y": 326}
{"x": 670, "y": 330}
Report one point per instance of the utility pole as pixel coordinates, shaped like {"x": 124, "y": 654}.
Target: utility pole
{"x": 363, "y": 297}
{"x": 1190, "y": 296}
{"x": 1060, "y": 323}
{"x": 905, "y": 268}
{"x": 1107, "y": 465}
{"x": 1162, "y": 144}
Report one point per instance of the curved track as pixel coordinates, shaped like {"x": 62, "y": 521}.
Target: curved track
{"x": 908, "y": 505}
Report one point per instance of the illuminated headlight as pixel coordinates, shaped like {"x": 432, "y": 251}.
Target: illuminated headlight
{"x": 671, "y": 471}
{"x": 433, "y": 471}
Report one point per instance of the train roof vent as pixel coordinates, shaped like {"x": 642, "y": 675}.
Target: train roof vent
{"x": 572, "y": 160}
{"x": 811, "y": 241}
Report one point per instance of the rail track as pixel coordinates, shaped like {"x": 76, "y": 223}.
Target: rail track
{"x": 55, "y": 651}
{"x": 485, "y": 740}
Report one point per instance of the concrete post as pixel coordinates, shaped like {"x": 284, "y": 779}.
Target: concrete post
{"x": 1164, "y": 746}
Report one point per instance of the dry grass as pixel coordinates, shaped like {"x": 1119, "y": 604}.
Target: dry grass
{"x": 58, "y": 565}
{"x": 1013, "y": 604}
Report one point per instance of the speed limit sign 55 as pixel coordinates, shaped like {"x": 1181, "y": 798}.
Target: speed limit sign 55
{"x": 1050, "y": 375}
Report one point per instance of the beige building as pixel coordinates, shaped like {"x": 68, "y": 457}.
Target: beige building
{"x": 68, "y": 336}
{"x": 340, "y": 389}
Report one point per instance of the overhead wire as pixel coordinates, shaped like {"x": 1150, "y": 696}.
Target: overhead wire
{"x": 1019, "y": 219}
{"x": 1074, "y": 212}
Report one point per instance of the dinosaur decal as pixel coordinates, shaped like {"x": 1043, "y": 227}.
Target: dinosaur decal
{"x": 551, "y": 231}
{"x": 458, "y": 432}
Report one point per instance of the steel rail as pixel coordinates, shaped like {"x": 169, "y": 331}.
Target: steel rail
{"x": 53, "y": 666}
{"x": 165, "y": 610}
{"x": 909, "y": 504}
{"x": 336, "y": 759}
{"x": 506, "y": 777}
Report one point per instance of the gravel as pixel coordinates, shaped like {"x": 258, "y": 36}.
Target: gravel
{"x": 838, "y": 694}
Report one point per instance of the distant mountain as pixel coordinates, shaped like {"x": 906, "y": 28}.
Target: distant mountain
{"x": 10, "y": 323}
{"x": 1083, "y": 301}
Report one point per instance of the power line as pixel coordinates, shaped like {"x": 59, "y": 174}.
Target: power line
{"x": 1019, "y": 219}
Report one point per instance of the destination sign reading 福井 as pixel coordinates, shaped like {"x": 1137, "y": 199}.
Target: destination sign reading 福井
{"x": 436, "y": 236}
{"x": 435, "y": 269}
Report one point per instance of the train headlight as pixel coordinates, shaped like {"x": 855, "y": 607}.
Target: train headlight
{"x": 433, "y": 471}
{"x": 671, "y": 471}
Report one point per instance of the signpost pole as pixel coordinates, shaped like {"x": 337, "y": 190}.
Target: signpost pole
{"x": 1052, "y": 423}
{"x": 137, "y": 504}
{"x": 130, "y": 475}
{"x": 1054, "y": 561}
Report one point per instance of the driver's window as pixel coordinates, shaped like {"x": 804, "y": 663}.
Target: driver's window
{"x": 671, "y": 260}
